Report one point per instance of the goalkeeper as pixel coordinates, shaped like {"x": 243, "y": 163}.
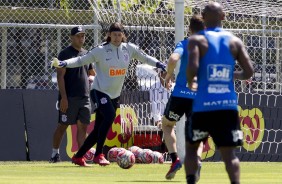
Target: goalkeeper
{"x": 181, "y": 99}
{"x": 111, "y": 61}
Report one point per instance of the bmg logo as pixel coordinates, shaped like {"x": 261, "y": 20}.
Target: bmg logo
{"x": 219, "y": 73}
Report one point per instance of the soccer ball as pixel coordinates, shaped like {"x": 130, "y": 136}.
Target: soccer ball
{"x": 133, "y": 149}
{"x": 113, "y": 152}
{"x": 125, "y": 159}
{"x": 89, "y": 155}
{"x": 138, "y": 155}
{"x": 136, "y": 151}
{"x": 146, "y": 156}
{"x": 158, "y": 157}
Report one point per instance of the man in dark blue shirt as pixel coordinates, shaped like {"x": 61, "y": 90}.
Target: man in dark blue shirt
{"x": 74, "y": 102}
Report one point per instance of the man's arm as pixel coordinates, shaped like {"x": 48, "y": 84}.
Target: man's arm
{"x": 61, "y": 84}
{"x": 244, "y": 61}
{"x": 171, "y": 65}
{"x": 88, "y": 58}
{"x": 145, "y": 58}
{"x": 193, "y": 64}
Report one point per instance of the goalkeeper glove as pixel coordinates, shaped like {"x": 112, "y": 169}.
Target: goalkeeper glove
{"x": 58, "y": 64}
{"x": 161, "y": 66}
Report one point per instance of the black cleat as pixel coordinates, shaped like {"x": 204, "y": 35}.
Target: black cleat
{"x": 55, "y": 159}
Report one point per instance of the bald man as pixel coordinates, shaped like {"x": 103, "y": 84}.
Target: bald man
{"x": 212, "y": 56}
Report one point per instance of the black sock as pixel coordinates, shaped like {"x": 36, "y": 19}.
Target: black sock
{"x": 191, "y": 179}
{"x": 234, "y": 182}
{"x": 173, "y": 156}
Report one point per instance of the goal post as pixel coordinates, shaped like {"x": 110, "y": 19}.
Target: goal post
{"x": 179, "y": 35}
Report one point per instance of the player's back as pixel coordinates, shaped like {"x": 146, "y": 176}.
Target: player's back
{"x": 180, "y": 88}
{"x": 215, "y": 74}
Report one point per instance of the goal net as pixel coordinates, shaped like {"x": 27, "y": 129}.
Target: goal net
{"x": 33, "y": 32}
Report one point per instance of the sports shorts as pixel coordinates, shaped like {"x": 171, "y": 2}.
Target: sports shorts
{"x": 222, "y": 125}
{"x": 176, "y": 107}
{"x": 103, "y": 103}
{"x": 79, "y": 108}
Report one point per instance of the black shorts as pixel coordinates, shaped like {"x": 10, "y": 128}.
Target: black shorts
{"x": 79, "y": 108}
{"x": 222, "y": 125}
{"x": 101, "y": 99}
{"x": 176, "y": 107}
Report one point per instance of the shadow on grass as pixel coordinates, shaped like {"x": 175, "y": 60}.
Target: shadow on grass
{"x": 70, "y": 166}
{"x": 147, "y": 181}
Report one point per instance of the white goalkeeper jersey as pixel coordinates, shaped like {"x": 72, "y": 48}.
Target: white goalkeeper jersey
{"x": 111, "y": 65}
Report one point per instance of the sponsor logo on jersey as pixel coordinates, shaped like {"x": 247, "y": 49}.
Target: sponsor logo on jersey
{"x": 220, "y": 102}
{"x": 188, "y": 92}
{"x": 109, "y": 50}
{"x": 115, "y": 72}
{"x": 219, "y": 72}
{"x": 218, "y": 89}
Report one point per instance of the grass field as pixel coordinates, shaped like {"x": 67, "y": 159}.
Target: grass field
{"x": 65, "y": 172}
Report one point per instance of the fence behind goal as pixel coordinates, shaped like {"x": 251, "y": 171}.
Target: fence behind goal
{"x": 33, "y": 33}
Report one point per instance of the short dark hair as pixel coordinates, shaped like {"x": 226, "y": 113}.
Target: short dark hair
{"x": 197, "y": 23}
{"x": 116, "y": 26}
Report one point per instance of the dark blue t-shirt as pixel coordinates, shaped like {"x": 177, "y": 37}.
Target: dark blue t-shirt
{"x": 76, "y": 79}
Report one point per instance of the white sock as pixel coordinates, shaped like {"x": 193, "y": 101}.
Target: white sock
{"x": 55, "y": 151}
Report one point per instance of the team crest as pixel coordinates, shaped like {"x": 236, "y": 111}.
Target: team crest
{"x": 103, "y": 100}
{"x": 64, "y": 118}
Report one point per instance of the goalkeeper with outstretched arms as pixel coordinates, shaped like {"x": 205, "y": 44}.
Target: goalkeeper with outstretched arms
{"x": 111, "y": 61}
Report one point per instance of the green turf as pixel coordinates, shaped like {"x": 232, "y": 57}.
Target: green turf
{"x": 65, "y": 172}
